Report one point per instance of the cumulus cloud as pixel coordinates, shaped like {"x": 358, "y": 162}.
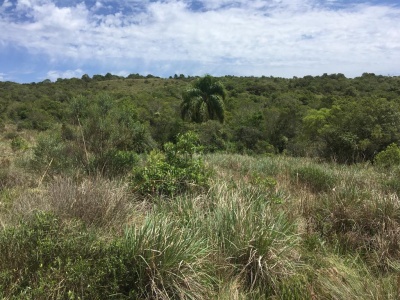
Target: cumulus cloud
{"x": 243, "y": 37}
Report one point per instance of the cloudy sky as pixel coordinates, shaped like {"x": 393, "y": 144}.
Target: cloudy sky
{"x": 50, "y": 39}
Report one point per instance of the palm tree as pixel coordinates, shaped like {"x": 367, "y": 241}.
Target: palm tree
{"x": 204, "y": 101}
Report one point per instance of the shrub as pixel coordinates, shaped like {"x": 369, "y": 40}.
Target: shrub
{"x": 314, "y": 177}
{"x": 19, "y": 144}
{"x": 175, "y": 170}
{"x": 115, "y": 162}
{"x": 42, "y": 259}
{"x": 49, "y": 155}
{"x": 388, "y": 157}
{"x": 212, "y": 135}
{"x": 392, "y": 184}
{"x": 45, "y": 258}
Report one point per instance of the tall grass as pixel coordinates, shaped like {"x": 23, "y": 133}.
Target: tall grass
{"x": 95, "y": 201}
{"x": 259, "y": 247}
{"x": 267, "y": 228}
{"x": 170, "y": 262}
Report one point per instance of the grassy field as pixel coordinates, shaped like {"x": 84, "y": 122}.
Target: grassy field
{"x": 266, "y": 227}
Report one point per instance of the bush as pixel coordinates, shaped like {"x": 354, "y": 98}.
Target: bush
{"x": 388, "y": 157}
{"x": 315, "y": 178}
{"x": 212, "y": 135}
{"x": 42, "y": 259}
{"x": 50, "y": 155}
{"x": 175, "y": 170}
{"x": 115, "y": 163}
{"x": 19, "y": 144}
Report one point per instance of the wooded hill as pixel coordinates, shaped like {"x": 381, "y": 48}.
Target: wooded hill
{"x": 328, "y": 116}
{"x": 105, "y": 192}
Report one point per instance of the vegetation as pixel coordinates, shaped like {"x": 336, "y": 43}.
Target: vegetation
{"x": 175, "y": 171}
{"x": 205, "y": 100}
{"x": 105, "y": 192}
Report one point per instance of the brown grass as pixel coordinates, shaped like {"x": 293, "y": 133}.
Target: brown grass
{"x": 95, "y": 201}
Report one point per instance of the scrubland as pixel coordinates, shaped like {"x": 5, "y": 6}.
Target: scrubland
{"x": 261, "y": 227}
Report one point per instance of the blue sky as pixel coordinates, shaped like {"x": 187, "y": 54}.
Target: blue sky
{"x": 50, "y": 39}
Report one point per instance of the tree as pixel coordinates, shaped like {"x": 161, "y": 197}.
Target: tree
{"x": 354, "y": 130}
{"x": 204, "y": 101}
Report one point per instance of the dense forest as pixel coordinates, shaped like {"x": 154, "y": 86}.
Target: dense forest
{"x": 200, "y": 188}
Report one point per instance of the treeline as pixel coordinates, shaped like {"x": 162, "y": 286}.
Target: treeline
{"x": 328, "y": 116}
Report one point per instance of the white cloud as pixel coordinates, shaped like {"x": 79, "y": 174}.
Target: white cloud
{"x": 6, "y": 4}
{"x": 253, "y": 37}
{"x": 54, "y": 75}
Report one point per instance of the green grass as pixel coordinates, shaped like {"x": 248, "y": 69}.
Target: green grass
{"x": 267, "y": 228}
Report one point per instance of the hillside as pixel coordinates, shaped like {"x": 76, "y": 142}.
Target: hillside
{"x": 329, "y": 116}
{"x": 107, "y": 193}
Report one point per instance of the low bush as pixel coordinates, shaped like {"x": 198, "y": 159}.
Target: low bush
{"x": 50, "y": 155}
{"x": 173, "y": 171}
{"x": 45, "y": 258}
{"x": 388, "y": 157}
{"x": 314, "y": 177}
{"x": 114, "y": 163}
{"x": 392, "y": 185}
{"x": 19, "y": 144}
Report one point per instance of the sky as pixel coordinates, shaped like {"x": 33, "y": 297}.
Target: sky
{"x": 51, "y": 39}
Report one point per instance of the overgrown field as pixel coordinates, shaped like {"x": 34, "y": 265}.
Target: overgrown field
{"x": 181, "y": 225}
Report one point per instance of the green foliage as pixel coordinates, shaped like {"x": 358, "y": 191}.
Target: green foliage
{"x": 43, "y": 258}
{"x": 167, "y": 262}
{"x": 115, "y": 162}
{"x": 316, "y": 178}
{"x": 108, "y": 125}
{"x": 176, "y": 170}
{"x": 204, "y": 101}
{"x": 102, "y": 137}
{"x": 263, "y": 182}
{"x": 392, "y": 184}
{"x": 257, "y": 242}
{"x": 50, "y": 155}
{"x": 388, "y": 157}
{"x": 353, "y": 131}
{"x": 212, "y": 135}
{"x": 329, "y": 116}
{"x": 28, "y": 116}
{"x": 19, "y": 144}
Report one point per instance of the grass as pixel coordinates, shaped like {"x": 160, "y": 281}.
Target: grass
{"x": 267, "y": 228}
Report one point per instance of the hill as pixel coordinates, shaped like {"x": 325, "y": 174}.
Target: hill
{"x": 106, "y": 192}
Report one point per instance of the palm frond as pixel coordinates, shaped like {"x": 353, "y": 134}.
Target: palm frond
{"x": 204, "y": 100}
